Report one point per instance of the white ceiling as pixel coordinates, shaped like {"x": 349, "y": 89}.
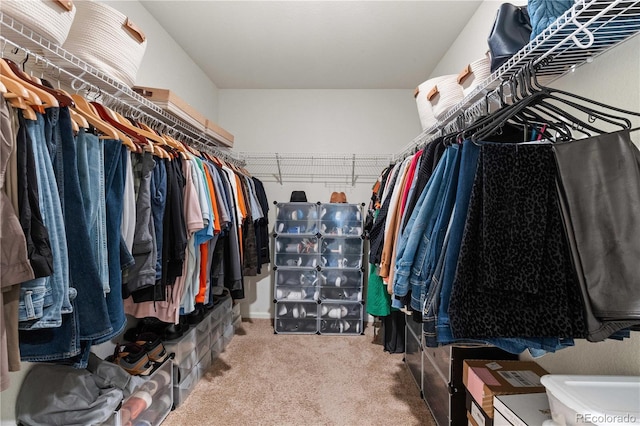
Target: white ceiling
{"x": 314, "y": 44}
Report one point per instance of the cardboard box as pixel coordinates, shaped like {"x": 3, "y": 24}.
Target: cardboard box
{"x": 218, "y": 133}
{"x": 485, "y": 379}
{"x": 478, "y": 416}
{"x": 170, "y": 102}
{"x": 521, "y": 410}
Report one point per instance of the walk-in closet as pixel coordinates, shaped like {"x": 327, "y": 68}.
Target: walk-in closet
{"x": 319, "y": 212}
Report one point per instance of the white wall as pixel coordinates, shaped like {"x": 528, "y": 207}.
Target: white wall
{"x": 612, "y": 78}
{"x": 320, "y": 121}
{"x": 164, "y": 65}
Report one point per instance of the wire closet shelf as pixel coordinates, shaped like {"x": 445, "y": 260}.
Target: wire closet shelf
{"x": 331, "y": 169}
{"x": 77, "y": 74}
{"x": 585, "y": 31}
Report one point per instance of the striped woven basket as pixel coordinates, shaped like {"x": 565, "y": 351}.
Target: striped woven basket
{"x": 108, "y": 40}
{"x": 447, "y": 94}
{"x": 425, "y": 110}
{"x": 474, "y": 74}
{"x": 49, "y": 19}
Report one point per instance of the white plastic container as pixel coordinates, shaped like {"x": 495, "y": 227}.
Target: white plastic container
{"x": 593, "y": 400}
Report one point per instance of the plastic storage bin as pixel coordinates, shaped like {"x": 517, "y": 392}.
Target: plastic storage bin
{"x": 150, "y": 403}
{"x": 297, "y": 252}
{"x": 296, "y": 218}
{"x": 341, "y": 252}
{"x": 341, "y": 318}
{"x": 341, "y": 284}
{"x": 292, "y": 317}
{"x": 296, "y": 284}
{"x": 593, "y": 400}
{"x": 340, "y": 219}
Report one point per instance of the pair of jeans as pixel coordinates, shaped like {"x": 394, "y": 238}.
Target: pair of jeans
{"x": 29, "y": 212}
{"x": 114, "y": 158}
{"x": 43, "y": 301}
{"x": 90, "y": 157}
{"x": 93, "y": 318}
{"x": 441, "y": 226}
{"x": 466, "y": 177}
{"x": 158, "y": 202}
{"x": 42, "y": 340}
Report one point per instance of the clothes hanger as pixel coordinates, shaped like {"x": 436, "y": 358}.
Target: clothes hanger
{"x": 83, "y": 108}
{"x": 131, "y": 132}
{"x": 540, "y": 98}
{"x": 16, "y": 94}
{"x": 11, "y": 69}
{"x": 17, "y": 87}
{"x": 79, "y": 120}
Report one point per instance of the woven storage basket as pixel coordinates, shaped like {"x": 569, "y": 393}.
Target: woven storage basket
{"x": 445, "y": 94}
{"x": 474, "y": 74}
{"x": 425, "y": 110}
{"x": 107, "y": 40}
{"x": 49, "y": 19}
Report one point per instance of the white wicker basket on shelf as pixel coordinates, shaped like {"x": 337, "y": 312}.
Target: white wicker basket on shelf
{"x": 474, "y": 74}
{"x": 108, "y": 40}
{"x": 425, "y": 110}
{"x": 445, "y": 95}
{"x": 47, "y": 18}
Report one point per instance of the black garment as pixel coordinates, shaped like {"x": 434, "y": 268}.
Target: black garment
{"x": 174, "y": 233}
{"x": 262, "y": 225}
{"x": 35, "y": 232}
{"x": 377, "y": 231}
{"x": 249, "y": 246}
{"x": 515, "y": 277}
{"x": 233, "y": 279}
{"x": 217, "y": 269}
{"x": 599, "y": 182}
{"x": 428, "y": 162}
{"x": 394, "y": 332}
{"x": 373, "y": 203}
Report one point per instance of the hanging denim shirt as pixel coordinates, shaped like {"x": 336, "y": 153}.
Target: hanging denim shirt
{"x": 413, "y": 247}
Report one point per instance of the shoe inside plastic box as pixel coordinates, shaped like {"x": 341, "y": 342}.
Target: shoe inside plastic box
{"x": 593, "y": 400}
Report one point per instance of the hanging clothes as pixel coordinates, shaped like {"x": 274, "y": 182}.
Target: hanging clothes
{"x": 599, "y": 181}
{"x": 514, "y": 256}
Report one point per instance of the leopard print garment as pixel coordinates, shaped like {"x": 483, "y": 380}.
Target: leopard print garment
{"x": 515, "y": 276}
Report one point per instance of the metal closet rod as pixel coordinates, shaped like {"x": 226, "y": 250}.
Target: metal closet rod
{"x": 133, "y": 110}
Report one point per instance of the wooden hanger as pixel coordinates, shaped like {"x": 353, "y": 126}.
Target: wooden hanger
{"x": 17, "y": 96}
{"x": 128, "y": 129}
{"x": 47, "y": 98}
{"x": 63, "y": 99}
{"x": 20, "y": 90}
{"x": 89, "y": 112}
{"x": 83, "y": 108}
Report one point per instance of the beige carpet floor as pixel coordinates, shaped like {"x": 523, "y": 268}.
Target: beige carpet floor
{"x": 267, "y": 379}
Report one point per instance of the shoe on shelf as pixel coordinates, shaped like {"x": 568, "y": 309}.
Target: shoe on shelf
{"x": 152, "y": 344}
{"x": 299, "y": 311}
{"x": 132, "y": 358}
{"x": 282, "y": 310}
